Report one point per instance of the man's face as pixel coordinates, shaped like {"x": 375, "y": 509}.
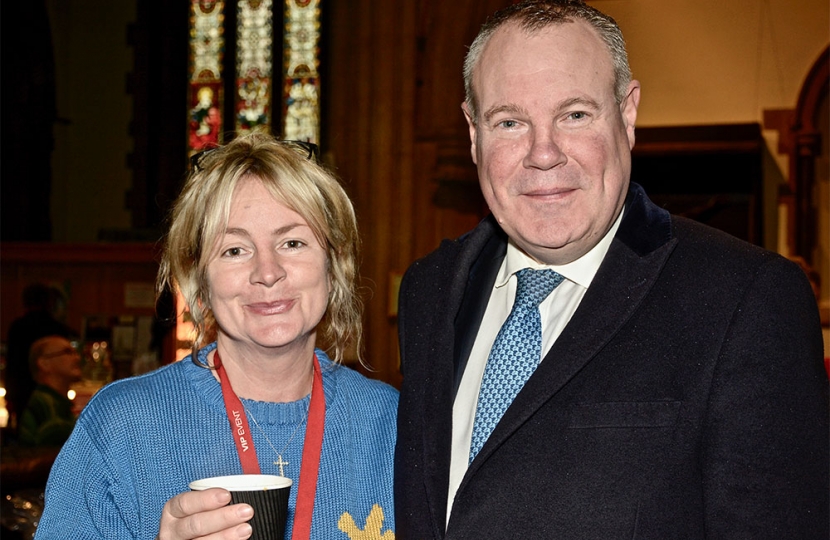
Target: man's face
{"x": 61, "y": 359}
{"x": 552, "y": 146}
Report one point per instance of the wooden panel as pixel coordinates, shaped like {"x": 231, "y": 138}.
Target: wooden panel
{"x": 368, "y": 138}
{"x": 394, "y": 131}
{"x": 99, "y": 279}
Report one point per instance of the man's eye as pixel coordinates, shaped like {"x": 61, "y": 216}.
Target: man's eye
{"x": 509, "y": 124}
{"x": 578, "y": 115}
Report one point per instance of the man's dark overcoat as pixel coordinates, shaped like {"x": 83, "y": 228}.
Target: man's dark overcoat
{"x": 686, "y": 398}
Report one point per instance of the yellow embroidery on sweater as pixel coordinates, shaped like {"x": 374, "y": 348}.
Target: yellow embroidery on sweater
{"x": 370, "y": 531}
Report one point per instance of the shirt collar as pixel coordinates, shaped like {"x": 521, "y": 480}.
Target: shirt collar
{"x": 580, "y": 271}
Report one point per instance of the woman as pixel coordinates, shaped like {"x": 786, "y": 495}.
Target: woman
{"x": 262, "y": 246}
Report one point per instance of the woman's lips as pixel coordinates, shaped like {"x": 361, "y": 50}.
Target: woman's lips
{"x": 270, "y": 308}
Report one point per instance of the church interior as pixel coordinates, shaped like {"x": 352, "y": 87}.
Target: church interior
{"x": 104, "y": 102}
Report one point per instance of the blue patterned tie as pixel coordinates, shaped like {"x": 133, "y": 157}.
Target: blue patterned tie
{"x": 515, "y": 353}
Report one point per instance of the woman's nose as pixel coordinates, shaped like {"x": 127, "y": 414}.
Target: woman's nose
{"x": 268, "y": 268}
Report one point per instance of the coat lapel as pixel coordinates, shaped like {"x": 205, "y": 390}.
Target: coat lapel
{"x": 482, "y": 272}
{"x": 463, "y": 261}
{"x": 630, "y": 268}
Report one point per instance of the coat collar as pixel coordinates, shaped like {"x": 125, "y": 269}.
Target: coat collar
{"x": 645, "y": 226}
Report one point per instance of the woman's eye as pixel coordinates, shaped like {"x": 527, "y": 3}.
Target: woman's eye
{"x": 233, "y": 252}
{"x": 294, "y": 244}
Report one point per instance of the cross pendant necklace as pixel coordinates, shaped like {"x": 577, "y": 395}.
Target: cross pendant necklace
{"x": 281, "y": 463}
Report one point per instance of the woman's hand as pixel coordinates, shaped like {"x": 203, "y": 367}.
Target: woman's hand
{"x": 204, "y": 515}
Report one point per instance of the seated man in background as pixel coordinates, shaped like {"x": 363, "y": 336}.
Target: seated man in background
{"x": 47, "y": 419}
{"x": 45, "y": 310}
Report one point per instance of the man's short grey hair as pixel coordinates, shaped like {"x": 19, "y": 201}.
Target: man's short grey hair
{"x": 534, "y": 15}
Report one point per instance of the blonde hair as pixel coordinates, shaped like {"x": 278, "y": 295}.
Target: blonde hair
{"x": 200, "y": 216}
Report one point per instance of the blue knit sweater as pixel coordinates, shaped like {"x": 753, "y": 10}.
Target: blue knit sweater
{"x": 140, "y": 441}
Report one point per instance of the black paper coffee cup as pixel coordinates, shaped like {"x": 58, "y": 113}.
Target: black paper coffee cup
{"x": 267, "y": 494}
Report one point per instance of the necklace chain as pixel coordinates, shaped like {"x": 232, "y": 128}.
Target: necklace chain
{"x": 280, "y": 463}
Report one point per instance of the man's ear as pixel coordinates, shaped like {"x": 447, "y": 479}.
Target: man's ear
{"x": 472, "y": 127}
{"x": 628, "y": 110}
{"x": 42, "y": 365}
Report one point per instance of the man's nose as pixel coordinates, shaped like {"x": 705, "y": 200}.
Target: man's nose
{"x": 545, "y": 151}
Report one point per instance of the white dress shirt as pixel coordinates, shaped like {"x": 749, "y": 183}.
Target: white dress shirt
{"x": 556, "y": 310}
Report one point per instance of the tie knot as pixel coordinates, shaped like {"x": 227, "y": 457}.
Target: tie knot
{"x": 535, "y": 285}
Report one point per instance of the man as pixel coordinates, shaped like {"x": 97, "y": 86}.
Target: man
{"x": 43, "y": 305}
{"x": 679, "y": 391}
{"x": 48, "y": 419}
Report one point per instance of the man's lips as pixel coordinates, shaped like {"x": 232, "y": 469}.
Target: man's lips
{"x": 549, "y": 193}
{"x": 270, "y": 308}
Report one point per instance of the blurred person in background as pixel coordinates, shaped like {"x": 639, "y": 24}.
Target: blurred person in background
{"x": 44, "y": 310}
{"x": 48, "y": 420}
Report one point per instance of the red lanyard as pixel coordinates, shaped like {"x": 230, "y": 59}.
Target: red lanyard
{"x": 312, "y": 446}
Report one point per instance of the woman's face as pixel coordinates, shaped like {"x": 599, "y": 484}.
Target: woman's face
{"x": 267, "y": 276}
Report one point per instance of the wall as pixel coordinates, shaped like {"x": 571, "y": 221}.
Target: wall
{"x": 90, "y": 177}
{"x": 715, "y": 62}
{"x": 709, "y": 61}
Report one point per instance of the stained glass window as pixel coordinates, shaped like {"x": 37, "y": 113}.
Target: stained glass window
{"x": 254, "y": 42}
{"x": 253, "y": 92}
{"x": 301, "y": 53}
{"x": 205, "y": 91}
